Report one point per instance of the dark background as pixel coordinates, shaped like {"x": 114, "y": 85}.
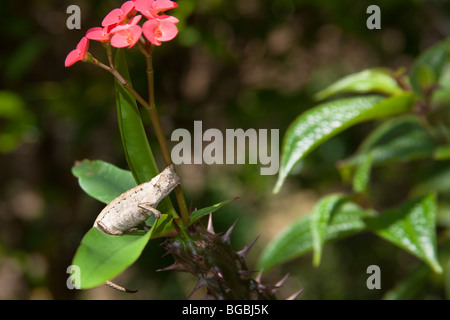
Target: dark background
{"x": 234, "y": 64}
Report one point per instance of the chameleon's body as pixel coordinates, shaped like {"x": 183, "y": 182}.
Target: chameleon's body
{"x": 137, "y": 204}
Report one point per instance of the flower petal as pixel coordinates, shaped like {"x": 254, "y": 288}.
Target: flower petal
{"x": 72, "y": 57}
{"x": 98, "y": 34}
{"x": 127, "y": 37}
{"x": 168, "y": 31}
{"x": 115, "y": 16}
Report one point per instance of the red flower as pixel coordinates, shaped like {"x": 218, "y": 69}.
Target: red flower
{"x": 157, "y": 30}
{"x": 79, "y": 53}
{"x": 100, "y": 34}
{"x": 151, "y": 8}
{"x": 118, "y": 16}
{"x": 126, "y": 35}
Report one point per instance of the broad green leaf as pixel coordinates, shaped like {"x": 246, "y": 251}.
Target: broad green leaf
{"x": 320, "y": 218}
{"x": 321, "y": 123}
{"x": 101, "y": 256}
{"x": 428, "y": 67}
{"x": 399, "y": 139}
{"x": 101, "y": 180}
{"x": 134, "y": 139}
{"x": 412, "y": 227}
{"x": 297, "y": 240}
{"x": 377, "y": 80}
{"x": 362, "y": 174}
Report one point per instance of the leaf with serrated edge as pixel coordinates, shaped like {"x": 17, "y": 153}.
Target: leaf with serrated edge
{"x": 319, "y": 124}
{"x": 377, "y": 80}
{"x": 320, "y": 218}
{"x": 412, "y": 227}
{"x": 296, "y": 239}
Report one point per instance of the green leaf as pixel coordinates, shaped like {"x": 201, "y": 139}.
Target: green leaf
{"x": 134, "y": 139}
{"x": 428, "y": 67}
{"x": 399, "y": 139}
{"x": 442, "y": 153}
{"x": 165, "y": 226}
{"x": 408, "y": 288}
{"x": 101, "y": 256}
{"x": 362, "y": 174}
{"x": 296, "y": 239}
{"x": 377, "y": 80}
{"x": 320, "y": 218}
{"x": 198, "y": 214}
{"x": 319, "y": 124}
{"x": 412, "y": 228}
{"x": 101, "y": 180}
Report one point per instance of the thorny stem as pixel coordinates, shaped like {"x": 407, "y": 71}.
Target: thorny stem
{"x": 154, "y": 117}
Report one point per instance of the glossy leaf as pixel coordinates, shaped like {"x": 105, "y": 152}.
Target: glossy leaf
{"x": 411, "y": 227}
{"x": 362, "y": 174}
{"x": 101, "y": 180}
{"x": 319, "y": 124}
{"x": 397, "y": 140}
{"x": 428, "y": 67}
{"x": 296, "y": 239}
{"x": 101, "y": 256}
{"x": 377, "y": 80}
{"x": 134, "y": 139}
{"x": 320, "y": 218}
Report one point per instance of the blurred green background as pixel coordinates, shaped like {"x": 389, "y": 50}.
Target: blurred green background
{"x": 234, "y": 64}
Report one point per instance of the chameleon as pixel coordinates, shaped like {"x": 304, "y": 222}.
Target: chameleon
{"x": 136, "y": 205}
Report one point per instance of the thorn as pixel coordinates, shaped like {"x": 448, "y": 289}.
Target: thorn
{"x": 259, "y": 276}
{"x": 246, "y": 273}
{"x": 120, "y": 288}
{"x": 280, "y": 283}
{"x": 190, "y": 208}
{"x": 226, "y": 236}
{"x": 295, "y": 295}
{"x": 198, "y": 285}
{"x": 171, "y": 267}
{"x": 210, "y": 227}
{"x": 243, "y": 253}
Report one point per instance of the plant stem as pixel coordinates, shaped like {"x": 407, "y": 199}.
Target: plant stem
{"x": 154, "y": 117}
{"x": 153, "y": 113}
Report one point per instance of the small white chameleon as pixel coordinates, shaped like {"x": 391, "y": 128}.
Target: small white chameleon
{"x": 137, "y": 204}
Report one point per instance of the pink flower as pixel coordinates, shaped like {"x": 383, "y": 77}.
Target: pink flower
{"x": 157, "y": 30}
{"x": 151, "y": 8}
{"x": 118, "y": 16}
{"x": 125, "y": 26}
{"x": 100, "y": 34}
{"x": 79, "y": 53}
{"x": 126, "y": 35}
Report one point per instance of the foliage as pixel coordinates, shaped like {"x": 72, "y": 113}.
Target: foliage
{"x": 405, "y": 136}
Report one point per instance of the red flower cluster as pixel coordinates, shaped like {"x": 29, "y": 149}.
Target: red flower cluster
{"x": 120, "y": 27}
